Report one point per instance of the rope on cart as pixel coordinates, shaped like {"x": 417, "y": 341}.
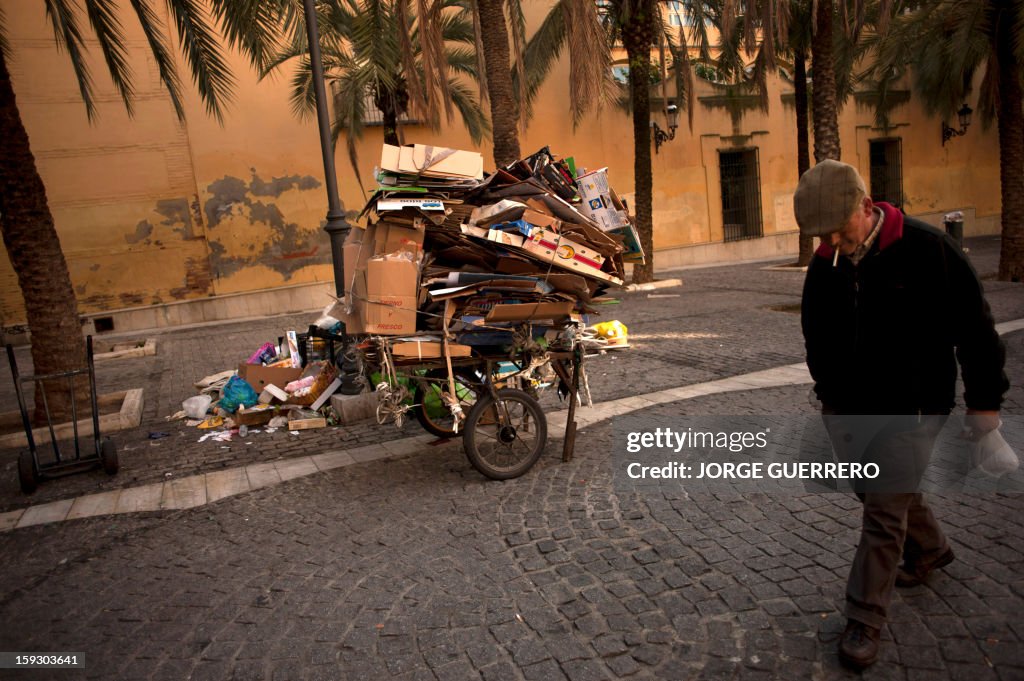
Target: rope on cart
{"x": 392, "y": 394}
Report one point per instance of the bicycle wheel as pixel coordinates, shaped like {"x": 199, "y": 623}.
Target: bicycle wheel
{"x": 428, "y": 402}
{"x": 504, "y": 439}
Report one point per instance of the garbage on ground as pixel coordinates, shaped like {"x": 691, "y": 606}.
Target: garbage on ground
{"x": 237, "y": 393}
{"x": 212, "y": 422}
{"x": 197, "y": 406}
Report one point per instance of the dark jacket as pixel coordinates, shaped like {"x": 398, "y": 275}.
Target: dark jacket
{"x": 884, "y": 337}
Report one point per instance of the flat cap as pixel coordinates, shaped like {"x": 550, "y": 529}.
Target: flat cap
{"x": 828, "y": 194}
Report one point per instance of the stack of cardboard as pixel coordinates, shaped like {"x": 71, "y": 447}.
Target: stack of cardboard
{"x": 445, "y": 247}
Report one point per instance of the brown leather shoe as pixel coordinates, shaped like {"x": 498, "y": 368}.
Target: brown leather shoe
{"x": 913, "y": 574}
{"x": 858, "y": 647}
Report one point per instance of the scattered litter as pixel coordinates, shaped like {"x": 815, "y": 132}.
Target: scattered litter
{"x": 197, "y": 406}
{"x": 212, "y": 422}
{"x": 176, "y": 416}
{"x": 215, "y": 379}
{"x": 294, "y": 432}
{"x": 219, "y": 436}
{"x": 192, "y": 423}
{"x": 156, "y": 435}
{"x": 662, "y": 295}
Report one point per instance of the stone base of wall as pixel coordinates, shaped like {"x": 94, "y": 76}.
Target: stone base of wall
{"x": 253, "y": 304}
{"x": 768, "y": 247}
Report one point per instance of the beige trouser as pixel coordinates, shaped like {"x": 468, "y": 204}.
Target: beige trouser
{"x": 896, "y": 521}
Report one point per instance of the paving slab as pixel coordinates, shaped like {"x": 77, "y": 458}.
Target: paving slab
{"x": 289, "y": 469}
{"x": 329, "y": 460}
{"x": 138, "y": 499}
{"x": 221, "y": 484}
{"x": 184, "y": 493}
{"x": 53, "y": 512}
{"x": 262, "y": 475}
{"x": 104, "y": 503}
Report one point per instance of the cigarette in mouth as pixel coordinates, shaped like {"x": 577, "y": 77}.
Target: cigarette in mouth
{"x": 835, "y": 258}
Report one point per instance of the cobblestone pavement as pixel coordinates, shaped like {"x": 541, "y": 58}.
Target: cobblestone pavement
{"x": 418, "y": 568}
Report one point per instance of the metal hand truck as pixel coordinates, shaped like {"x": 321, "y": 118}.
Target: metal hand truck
{"x": 30, "y": 469}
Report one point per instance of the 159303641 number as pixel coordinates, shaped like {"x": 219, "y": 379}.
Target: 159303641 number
{"x": 21, "y": 660}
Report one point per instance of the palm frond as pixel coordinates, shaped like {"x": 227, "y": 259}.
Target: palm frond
{"x": 517, "y": 24}
{"x": 348, "y": 117}
{"x": 110, "y": 35}
{"x": 153, "y": 29}
{"x": 685, "y": 92}
{"x": 417, "y": 97}
{"x": 542, "y": 52}
{"x": 589, "y": 56}
{"x": 203, "y": 55}
{"x": 470, "y": 111}
{"x": 253, "y": 25}
{"x": 5, "y": 48}
{"x": 62, "y": 15}
{"x": 303, "y": 96}
{"x": 481, "y": 66}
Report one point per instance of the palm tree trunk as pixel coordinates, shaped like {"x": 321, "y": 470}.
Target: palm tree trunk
{"x": 637, "y": 37}
{"x": 504, "y": 110}
{"x": 34, "y": 249}
{"x": 386, "y": 104}
{"x": 823, "y": 76}
{"x": 1011, "y": 161}
{"x": 803, "y": 157}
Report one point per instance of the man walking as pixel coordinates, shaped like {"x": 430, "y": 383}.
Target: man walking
{"x": 890, "y": 305}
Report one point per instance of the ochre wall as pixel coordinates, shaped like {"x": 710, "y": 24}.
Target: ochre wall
{"x": 151, "y": 211}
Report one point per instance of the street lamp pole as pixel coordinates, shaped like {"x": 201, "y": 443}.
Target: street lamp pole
{"x": 337, "y": 228}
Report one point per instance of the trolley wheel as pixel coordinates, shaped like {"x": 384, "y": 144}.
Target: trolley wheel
{"x": 428, "y": 404}
{"x": 108, "y": 457}
{"x": 27, "y": 472}
{"x": 504, "y": 439}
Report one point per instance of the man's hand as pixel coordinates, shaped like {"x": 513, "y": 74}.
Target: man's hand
{"x": 978, "y": 423}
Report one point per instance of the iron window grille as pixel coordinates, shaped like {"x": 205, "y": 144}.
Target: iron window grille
{"x": 887, "y": 171}
{"x": 741, "y": 194}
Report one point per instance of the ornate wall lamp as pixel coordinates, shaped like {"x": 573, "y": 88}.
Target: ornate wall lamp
{"x": 660, "y": 136}
{"x": 964, "y": 114}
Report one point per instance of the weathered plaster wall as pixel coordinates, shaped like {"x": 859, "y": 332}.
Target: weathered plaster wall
{"x": 152, "y": 211}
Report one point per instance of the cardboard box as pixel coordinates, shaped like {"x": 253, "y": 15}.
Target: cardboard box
{"x": 420, "y": 349}
{"x": 386, "y": 204}
{"x": 529, "y": 311}
{"x": 541, "y": 220}
{"x": 391, "y": 286}
{"x": 394, "y": 238}
{"x": 355, "y": 408}
{"x": 599, "y": 202}
{"x": 563, "y": 251}
{"x": 634, "y": 252}
{"x": 259, "y": 377}
{"x": 505, "y": 238}
{"x": 254, "y": 416}
{"x": 430, "y": 161}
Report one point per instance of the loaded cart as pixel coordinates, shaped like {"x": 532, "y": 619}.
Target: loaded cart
{"x": 467, "y": 296}
{"x": 31, "y": 467}
{"x": 489, "y": 395}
